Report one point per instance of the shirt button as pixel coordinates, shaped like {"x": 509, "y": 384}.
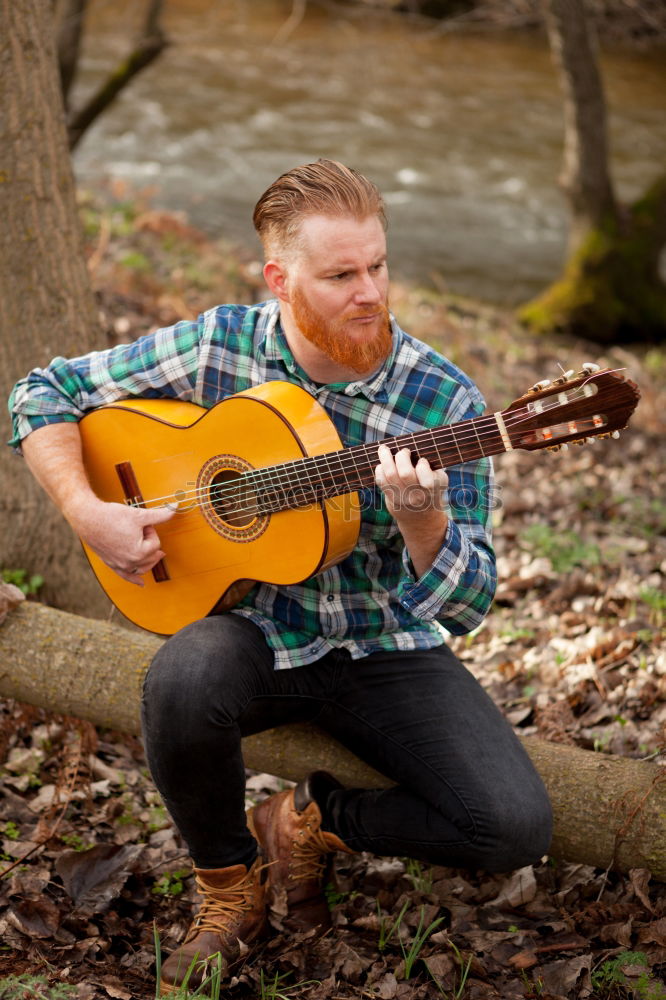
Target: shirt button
{"x": 331, "y": 597}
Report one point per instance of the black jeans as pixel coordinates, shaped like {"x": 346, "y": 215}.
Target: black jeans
{"x": 467, "y": 794}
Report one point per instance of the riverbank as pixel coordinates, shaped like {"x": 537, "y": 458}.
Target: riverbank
{"x": 615, "y": 21}
{"x": 573, "y": 652}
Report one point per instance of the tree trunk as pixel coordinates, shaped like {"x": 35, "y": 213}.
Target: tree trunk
{"x": 585, "y": 175}
{"x": 609, "y": 811}
{"x": 46, "y": 303}
{"x": 611, "y": 290}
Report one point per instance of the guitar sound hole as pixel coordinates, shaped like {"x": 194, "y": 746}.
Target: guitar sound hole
{"x": 232, "y": 501}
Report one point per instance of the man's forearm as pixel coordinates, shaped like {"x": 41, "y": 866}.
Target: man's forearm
{"x": 423, "y": 534}
{"x": 53, "y": 453}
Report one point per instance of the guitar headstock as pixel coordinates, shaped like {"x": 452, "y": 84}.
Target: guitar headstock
{"x": 572, "y": 408}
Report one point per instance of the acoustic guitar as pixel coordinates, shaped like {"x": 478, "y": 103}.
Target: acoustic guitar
{"x": 263, "y": 489}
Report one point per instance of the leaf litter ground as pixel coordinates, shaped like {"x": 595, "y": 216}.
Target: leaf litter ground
{"x": 573, "y": 652}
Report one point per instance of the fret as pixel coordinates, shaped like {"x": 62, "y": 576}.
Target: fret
{"x": 455, "y": 441}
{"x": 351, "y": 452}
{"x": 481, "y": 452}
{"x": 440, "y": 463}
{"x": 334, "y": 489}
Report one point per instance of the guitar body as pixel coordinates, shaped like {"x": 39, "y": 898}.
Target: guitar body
{"x": 153, "y": 452}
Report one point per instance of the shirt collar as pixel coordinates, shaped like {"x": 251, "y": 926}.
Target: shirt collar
{"x": 273, "y": 344}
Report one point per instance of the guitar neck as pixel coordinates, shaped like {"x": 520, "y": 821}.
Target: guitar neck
{"x": 320, "y": 477}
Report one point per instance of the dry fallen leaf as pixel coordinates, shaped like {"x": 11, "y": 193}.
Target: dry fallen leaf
{"x": 518, "y": 889}
{"x": 93, "y": 877}
{"x": 37, "y": 918}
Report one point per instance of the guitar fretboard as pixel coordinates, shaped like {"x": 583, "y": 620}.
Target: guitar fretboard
{"x": 310, "y": 480}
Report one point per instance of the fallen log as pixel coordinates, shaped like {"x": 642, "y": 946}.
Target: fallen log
{"x": 610, "y": 812}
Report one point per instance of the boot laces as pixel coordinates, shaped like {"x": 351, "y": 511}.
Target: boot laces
{"x": 221, "y": 908}
{"x": 309, "y": 855}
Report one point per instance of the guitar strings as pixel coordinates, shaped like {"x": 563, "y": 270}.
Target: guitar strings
{"x": 270, "y": 478}
{"x": 281, "y": 480}
{"x": 274, "y": 476}
{"x": 259, "y": 493}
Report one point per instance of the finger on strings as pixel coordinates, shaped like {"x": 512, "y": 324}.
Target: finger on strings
{"x": 425, "y": 474}
{"x": 403, "y": 464}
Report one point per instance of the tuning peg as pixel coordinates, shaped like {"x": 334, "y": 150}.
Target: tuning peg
{"x": 589, "y": 440}
{"x": 564, "y": 447}
{"x": 615, "y": 435}
{"x": 589, "y": 367}
{"x": 543, "y": 384}
{"x": 564, "y": 377}
{"x": 579, "y": 441}
{"x": 554, "y": 447}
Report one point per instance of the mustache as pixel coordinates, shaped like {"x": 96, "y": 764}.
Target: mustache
{"x": 364, "y": 311}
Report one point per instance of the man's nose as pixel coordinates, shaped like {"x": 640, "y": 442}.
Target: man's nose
{"x": 367, "y": 289}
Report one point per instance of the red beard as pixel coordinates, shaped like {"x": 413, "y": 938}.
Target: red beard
{"x": 362, "y": 356}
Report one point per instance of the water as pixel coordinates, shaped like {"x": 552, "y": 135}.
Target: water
{"x": 462, "y": 133}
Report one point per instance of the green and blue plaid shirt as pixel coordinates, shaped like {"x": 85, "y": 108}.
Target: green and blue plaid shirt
{"x": 370, "y": 600}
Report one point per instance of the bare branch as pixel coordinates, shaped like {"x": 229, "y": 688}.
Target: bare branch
{"x": 151, "y": 43}
{"x": 292, "y": 22}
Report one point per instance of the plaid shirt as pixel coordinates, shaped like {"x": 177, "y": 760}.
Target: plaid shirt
{"x": 370, "y": 600}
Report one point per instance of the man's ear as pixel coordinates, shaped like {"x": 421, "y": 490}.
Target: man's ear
{"x": 275, "y": 277}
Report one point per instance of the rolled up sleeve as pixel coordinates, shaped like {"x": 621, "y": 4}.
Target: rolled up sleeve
{"x": 160, "y": 364}
{"x": 458, "y": 588}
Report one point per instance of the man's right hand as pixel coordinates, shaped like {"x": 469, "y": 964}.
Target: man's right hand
{"x": 125, "y": 538}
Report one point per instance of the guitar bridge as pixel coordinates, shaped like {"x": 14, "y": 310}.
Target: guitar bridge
{"x": 134, "y": 498}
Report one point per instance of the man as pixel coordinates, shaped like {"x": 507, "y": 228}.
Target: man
{"x": 360, "y": 648}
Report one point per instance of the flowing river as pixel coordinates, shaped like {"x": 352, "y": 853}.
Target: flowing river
{"x": 463, "y": 133}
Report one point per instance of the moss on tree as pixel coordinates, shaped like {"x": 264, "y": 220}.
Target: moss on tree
{"x": 611, "y": 291}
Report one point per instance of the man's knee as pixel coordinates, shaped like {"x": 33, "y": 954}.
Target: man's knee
{"x": 519, "y": 833}
{"x": 188, "y": 674}
{"x": 181, "y": 660}
{"x": 206, "y": 670}
{"x": 502, "y": 833}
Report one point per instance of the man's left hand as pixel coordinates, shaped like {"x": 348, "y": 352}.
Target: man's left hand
{"x": 409, "y": 489}
{"x": 415, "y": 498}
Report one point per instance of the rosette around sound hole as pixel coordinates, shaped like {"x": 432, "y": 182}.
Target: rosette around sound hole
{"x": 231, "y": 503}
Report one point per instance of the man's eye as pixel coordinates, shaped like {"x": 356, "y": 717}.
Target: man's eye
{"x": 339, "y": 277}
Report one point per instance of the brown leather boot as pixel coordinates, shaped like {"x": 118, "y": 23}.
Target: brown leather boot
{"x": 297, "y": 852}
{"x": 232, "y": 914}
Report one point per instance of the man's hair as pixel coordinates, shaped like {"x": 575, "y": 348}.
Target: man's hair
{"x": 322, "y": 188}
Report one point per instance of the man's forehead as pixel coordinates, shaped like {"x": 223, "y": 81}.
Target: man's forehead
{"x": 337, "y": 238}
